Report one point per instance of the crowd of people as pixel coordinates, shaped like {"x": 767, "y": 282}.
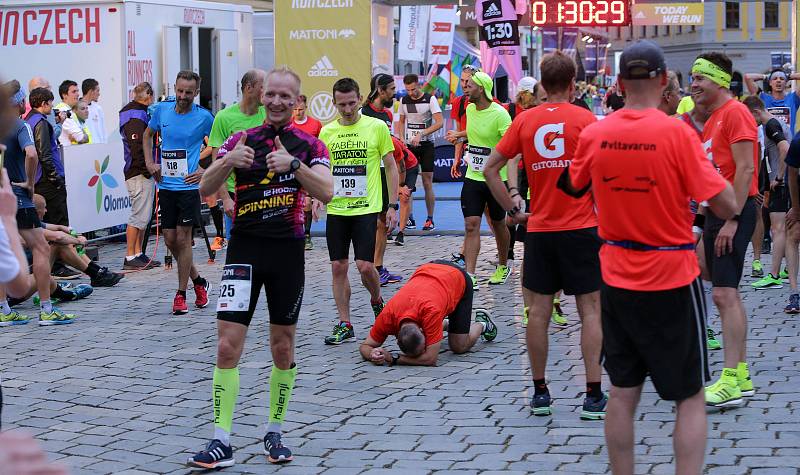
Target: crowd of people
{"x": 636, "y": 215}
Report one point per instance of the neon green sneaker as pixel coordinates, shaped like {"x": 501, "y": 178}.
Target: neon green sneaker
{"x": 475, "y": 286}
{"x": 558, "y": 317}
{"x": 56, "y": 317}
{"x": 13, "y": 318}
{"x": 500, "y": 275}
{"x": 711, "y": 340}
{"x": 490, "y": 329}
{"x": 784, "y": 274}
{"x": 768, "y": 282}
{"x": 342, "y": 332}
{"x": 758, "y": 269}
{"x": 744, "y": 381}
{"x": 725, "y": 392}
{"x": 525, "y": 317}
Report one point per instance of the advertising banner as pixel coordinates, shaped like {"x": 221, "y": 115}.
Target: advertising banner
{"x": 383, "y": 39}
{"x": 499, "y": 34}
{"x": 96, "y": 194}
{"x": 442, "y": 29}
{"x": 413, "y": 32}
{"x": 689, "y": 13}
{"x": 324, "y": 42}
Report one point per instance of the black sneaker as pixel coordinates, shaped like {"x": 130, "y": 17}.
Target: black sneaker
{"x": 140, "y": 262}
{"x": 215, "y": 455}
{"x": 62, "y": 272}
{"x": 540, "y": 404}
{"x": 411, "y": 224}
{"x": 276, "y": 452}
{"x": 399, "y": 240}
{"x": 377, "y": 307}
{"x": 106, "y": 278}
{"x": 147, "y": 260}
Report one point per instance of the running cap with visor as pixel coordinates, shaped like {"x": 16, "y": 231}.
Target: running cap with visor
{"x": 483, "y": 81}
{"x": 380, "y": 80}
{"x": 526, "y": 84}
{"x": 642, "y": 60}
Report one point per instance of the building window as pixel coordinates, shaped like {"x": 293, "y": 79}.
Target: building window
{"x": 732, "y": 15}
{"x": 680, "y": 29}
{"x": 619, "y": 32}
{"x": 644, "y": 31}
{"x": 692, "y": 29}
{"x": 666, "y": 30}
{"x": 655, "y": 31}
{"x": 771, "y": 15}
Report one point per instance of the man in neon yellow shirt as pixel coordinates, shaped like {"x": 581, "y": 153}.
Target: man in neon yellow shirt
{"x": 357, "y": 145}
{"x": 236, "y": 117}
{"x": 487, "y": 121}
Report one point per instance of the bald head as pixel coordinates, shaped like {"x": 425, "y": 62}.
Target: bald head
{"x": 38, "y": 81}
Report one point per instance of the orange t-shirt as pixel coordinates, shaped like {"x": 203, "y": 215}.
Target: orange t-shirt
{"x": 547, "y": 136}
{"x": 403, "y": 154}
{"x": 431, "y": 294}
{"x": 311, "y": 126}
{"x": 728, "y": 125}
{"x": 644, "y": 167}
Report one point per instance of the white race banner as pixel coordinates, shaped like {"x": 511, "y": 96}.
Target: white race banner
{"x": 96, "y": 194}
{"x": 413, "y": 32}
{"x": 442, "y": 30}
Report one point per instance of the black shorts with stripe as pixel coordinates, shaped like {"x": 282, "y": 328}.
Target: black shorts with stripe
{"x": 661, "y": 334}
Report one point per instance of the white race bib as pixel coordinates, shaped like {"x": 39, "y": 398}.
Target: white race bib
{"x": 414, "y": 130}
{"x": 349, "y": 181}
{"x": 174, "y": 163}
{"x": 477, "y": 157}
{"x": 234, "y": 290}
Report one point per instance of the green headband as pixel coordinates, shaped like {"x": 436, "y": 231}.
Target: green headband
{"x": 712, "y": 72}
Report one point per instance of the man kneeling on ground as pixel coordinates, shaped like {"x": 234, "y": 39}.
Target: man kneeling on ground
{"x": 437, "y": 298}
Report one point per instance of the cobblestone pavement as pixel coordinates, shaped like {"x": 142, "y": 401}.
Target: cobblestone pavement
{"x": 126, "y": 389}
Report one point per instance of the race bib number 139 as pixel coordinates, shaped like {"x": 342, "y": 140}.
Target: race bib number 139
{"x": 234, "y": 290}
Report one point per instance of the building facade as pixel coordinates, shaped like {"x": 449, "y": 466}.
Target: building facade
{"x": 748, "y": 32}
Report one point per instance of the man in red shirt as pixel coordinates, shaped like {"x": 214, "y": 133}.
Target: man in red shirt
{"x": 730, "y": 138}
{"x": 302, "y": 121}
{"x": 643, "y": 167}
{"x": 561, "y": 244}
{"x": 437, "y": 298}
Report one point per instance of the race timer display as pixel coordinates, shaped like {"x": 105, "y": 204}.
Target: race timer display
{"x": 581, "y": 13}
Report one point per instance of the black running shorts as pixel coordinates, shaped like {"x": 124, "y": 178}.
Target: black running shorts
{"x": 426, "y": 154}
{"x": 661, "y": 334}
{"x": 461, "y": 317}
{"x": 178, "y": 208}
{"x": 475, "y": 197}
{"x": 27, "y": 218}
{"x": 340, "y": 231}
{"x": 779, "y": 201}
{"x": 278, "y": 265}
{"x": 567, "y": 260}
{"x": 726, "y": 270}
{"x": 411, "y": 178}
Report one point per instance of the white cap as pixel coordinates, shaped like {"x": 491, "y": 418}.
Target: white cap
{"x": 526, "y": 84}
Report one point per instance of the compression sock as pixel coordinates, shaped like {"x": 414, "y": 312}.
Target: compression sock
{"x": 5, "y": 307}
{"x": 539, "y": 386}
{"x": 281, "y": 383}
{"x": 593, "y": 390}
{"x": 92, "y": 269}
{"x": 47, "y": 306}
{"x": 216, "y": 215}
{"x": 182, "y": 292}
{"x": 308, "y": 222}
{"x": 226, "y": 390}
{"x": 199, "y": 281}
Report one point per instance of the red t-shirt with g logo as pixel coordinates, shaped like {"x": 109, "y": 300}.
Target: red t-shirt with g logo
{"x": 547, "y": 136}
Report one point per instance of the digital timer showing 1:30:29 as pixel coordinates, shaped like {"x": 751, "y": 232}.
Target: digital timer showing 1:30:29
{"x": 581, "y": 13}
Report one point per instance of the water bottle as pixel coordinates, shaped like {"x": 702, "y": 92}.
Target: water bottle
{"x": 79, "y": 248}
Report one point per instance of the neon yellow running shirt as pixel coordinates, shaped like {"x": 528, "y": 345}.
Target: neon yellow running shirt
{"x": 485, "y": 128}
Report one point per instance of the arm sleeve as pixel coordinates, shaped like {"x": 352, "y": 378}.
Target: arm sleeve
{"x": 134, "y": 130}
{"x": 319, "y": 154}
{"x": 740, "y": 126}
{"x": 774, "y": 131}
{"x": 155, "y": 120}
{"x": 218, "y": 132}
{"x": 25, "y": 136}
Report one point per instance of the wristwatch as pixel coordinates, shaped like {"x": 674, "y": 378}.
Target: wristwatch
{"x": 294, "y": 165}
{"x": 394, "y": 360}
{"x": 394, "y": 206}
{"x": 513, "y": 211}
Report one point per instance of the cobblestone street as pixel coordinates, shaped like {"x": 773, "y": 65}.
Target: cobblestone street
{"x": 127, "y": 388}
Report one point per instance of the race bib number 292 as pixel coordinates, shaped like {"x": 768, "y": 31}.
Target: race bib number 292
{"x": 234, "y": 290}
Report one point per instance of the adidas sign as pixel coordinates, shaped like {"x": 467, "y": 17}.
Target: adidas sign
{"x": 492, "y": 11}
{"x": 323, "y": 68}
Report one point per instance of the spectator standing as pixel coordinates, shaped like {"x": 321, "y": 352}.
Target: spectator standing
{"x": 96, "y": 122}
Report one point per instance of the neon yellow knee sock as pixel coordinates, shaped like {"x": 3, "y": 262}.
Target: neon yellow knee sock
{"x": 281, "y": 383}
{"x": 226, "y": 390}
